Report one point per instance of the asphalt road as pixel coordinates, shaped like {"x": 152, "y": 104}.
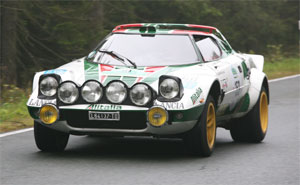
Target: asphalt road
{"x": 90, "y": 160}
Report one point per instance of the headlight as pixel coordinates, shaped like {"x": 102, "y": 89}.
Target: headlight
{"x": 68, "y": 92}
{"x": 116, "y": 92}
{"x": 91, "y": 91}
{"x": 140, "y": 94}
{"x": 48, "y": 86}
{"x": 169, "y": 88}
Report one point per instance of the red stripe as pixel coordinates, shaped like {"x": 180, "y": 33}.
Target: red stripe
{"x": 125, "y": 26}
{"x": 104, "y": 67}
{"x": 102, "y": 78}
{"x": 139, "y": 79}
{"x": 153, "y": 69}
{"x": 202, "y": 27}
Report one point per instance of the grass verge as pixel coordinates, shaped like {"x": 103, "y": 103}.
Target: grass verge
{"x": 14, "y": 114}
{"x": 13, "y": 110}
{"x": 286, "y": 67}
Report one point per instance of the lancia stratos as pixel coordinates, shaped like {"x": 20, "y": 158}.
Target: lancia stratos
{"x": 160, "y": 80}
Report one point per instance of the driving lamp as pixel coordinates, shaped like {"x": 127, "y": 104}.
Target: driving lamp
{"x": 68, "y": 92}
{"x": 116, "y": 92}
{"x": 140, "y": 94}
{"x": 48, "y": 114}
{"x": 91, "y": 91}
{"x": 157, "y": 116}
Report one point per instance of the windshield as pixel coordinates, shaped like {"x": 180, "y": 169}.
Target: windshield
{"x": 148, "y": 50}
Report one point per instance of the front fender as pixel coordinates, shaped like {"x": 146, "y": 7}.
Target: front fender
{"x": 196, "y": 91}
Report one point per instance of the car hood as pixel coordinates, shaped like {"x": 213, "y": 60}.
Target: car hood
{"x": 196, "y": 78}
{"x": 81, "y": 70}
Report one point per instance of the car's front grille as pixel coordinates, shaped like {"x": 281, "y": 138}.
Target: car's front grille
{"x": 128, "y": 120}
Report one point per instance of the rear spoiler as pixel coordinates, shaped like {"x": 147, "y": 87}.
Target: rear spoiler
{"x": 154, "y": 26}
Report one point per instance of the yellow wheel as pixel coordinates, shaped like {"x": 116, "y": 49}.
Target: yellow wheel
{"x": 263, "y": 108}
{"x": 211, "y": 125}
{"x": 201, "y": 139}
{"x": 252, "y": 127}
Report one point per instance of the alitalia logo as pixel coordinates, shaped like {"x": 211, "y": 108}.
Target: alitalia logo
{"x": 196, "y": 95}
{"x": 104, "y": 107}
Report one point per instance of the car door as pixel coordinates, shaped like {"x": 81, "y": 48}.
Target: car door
{"x": 238, "y": 79}
{"x": 229, "y": 70}
{"x": 216, "y": 58}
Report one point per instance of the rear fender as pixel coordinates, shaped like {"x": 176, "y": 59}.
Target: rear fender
{"x": 257, "y": 80}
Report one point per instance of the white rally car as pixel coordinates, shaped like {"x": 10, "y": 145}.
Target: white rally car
{"x": 161, "y": 80}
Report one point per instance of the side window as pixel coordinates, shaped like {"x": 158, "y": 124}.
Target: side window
{"x": 208, "y": 48}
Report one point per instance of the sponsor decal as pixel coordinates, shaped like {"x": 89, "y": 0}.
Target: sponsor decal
{"x": 170, "y": 105}
{"x": 224, "y": 83}
{"x": 196, "y": 95}
{"x": 55, "y": 71}
{"x": 240, "y": 69}
{"x": 104, "y": 107}
{"x": 237, "y": 84}
{"x": 234, "y": 72}
{"x": 39, "y": 102}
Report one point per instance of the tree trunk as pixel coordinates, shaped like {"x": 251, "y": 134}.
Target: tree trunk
{"x": 8, "y": 50}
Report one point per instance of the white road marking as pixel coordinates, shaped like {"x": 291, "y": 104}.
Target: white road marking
{"x": 284, "y": 78}
{"x": 16, "y": 132}
{"x": 30, "y": 129}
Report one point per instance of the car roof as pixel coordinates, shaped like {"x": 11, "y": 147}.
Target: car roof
{"x": 165, "y": 28}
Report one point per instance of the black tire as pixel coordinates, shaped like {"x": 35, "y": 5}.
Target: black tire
{"x": 252, "y": 127}
{"x": 49, "y": 140}
{"x": 197, "y": 139}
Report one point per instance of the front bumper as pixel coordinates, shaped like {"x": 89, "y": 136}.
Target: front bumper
{"x": 132, "y": 122}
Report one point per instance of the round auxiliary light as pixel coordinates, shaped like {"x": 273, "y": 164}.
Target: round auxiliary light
{"x": 48, "y": 86}
{"x": 140, "y": 94}
{"x": 169, "y": 88}
{"x": 157, "y": 116}
{"x": 91, "y": 91}
{"x": 68, "y": 92}
{"x": 48, "y": 114}
{"x": 116, "y": 92}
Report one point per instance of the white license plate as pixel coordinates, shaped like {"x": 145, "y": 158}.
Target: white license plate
{"x": 113, "y": 116}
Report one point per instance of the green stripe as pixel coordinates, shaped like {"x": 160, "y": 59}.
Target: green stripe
{"x": 110, "y": 78}
{"x": 188, "y": 115}
{"x": 129, "y": 80}
{"x": 91, "y": 71}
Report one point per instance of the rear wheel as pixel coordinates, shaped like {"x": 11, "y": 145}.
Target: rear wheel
{"x": 201, "y": 139}
{"x": 252, "y": 127}
{"x": 49, "y": 140}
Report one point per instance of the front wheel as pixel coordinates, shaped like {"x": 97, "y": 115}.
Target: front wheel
{"x": 252, "y": 127}
{"x": 49, "y": 140}
{"x": 201, "y": 139}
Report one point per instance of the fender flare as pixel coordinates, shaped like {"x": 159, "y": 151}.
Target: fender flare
{"x": 212, "y": 86}
{"x": 257, "y": 80}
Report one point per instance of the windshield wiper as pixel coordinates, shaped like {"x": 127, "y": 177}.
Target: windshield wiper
{"x": 118, "y": 57}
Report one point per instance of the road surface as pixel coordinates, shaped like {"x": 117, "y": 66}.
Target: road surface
{"x": 92, "y": 160}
